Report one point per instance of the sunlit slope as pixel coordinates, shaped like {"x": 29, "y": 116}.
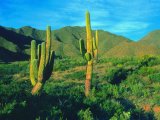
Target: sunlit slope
{"x": 66, "y": 43}
{"x": 65, "y": 40}
{"x": 132, "y": 49}
{"x": 153, "y": 38}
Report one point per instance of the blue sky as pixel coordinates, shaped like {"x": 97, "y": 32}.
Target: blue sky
{"x": 129, "y": 18}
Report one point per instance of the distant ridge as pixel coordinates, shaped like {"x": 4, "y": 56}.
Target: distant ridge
{"x": 65, "y": 42}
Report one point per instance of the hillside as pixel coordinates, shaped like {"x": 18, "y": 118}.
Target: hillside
{"x": 65, "y": 41}
{"x": 13, "y": 45}
{"x": 153, "y": 38}
{"x": 132, "y": 49}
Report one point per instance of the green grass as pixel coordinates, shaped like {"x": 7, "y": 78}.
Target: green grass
{"x": 120, "y": 89}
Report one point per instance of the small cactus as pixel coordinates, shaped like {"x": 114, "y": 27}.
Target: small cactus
{"x": 41, "y": 63}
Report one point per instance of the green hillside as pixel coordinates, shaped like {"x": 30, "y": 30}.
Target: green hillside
{"x": 65, "y": 43}
{"x": 65, "y": 40}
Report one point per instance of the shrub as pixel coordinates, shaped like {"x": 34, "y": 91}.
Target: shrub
{"x": 121, "y": 116}
{"x": 7, "y": 108}
{"x": 116, "y": 75}
{"x": 145, "y": 61}
{"x": 55, "y": 113}
{"x": 85, "y": 114}
{"x": 155, "y": 77}
{"x": 146, "y": 71}
{"x": 111, "y": 107}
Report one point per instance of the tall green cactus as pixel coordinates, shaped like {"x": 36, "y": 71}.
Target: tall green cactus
{"x": 88, "y": 54}
{"x": 41, "y": 64}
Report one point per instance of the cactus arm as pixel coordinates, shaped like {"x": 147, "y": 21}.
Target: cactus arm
{"x": 50, "y": 65}
{"x": 42, "y": 63}
{"x": 33, "y": 50}
{"x": 97, "y": 41}
{"x": 94, "y": 44}
{"x": 94, "y": 48}
{"x": 35, "y": 68}
{"x": 38, "y": 85}
{"x": 82, "y": 47}
{"x": 32, "y": 66}
{"x": 89, "y": 34}
{"x": 39, "y": 53}
{"x": 51, "y": 61}
{"x": 32, "y": 76}
{"x": 48, "y": 44}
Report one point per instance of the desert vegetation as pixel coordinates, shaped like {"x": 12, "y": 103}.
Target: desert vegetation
{"x": 88, "y": 86}
{"x": 123, "y": 88}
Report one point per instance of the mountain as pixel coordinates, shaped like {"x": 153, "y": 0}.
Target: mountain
{"x": 13, "y": 46}
{"x": 148, "y": 45}
{"x": 30, "y": 32}
{"x": 132, "y": 49}
{"x": 153, "y": 38}
{"x": 16, "y": 42}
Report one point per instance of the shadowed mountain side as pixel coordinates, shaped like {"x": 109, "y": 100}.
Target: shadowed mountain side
{"x": 132, "y": 49}
{"x": 30, "y": 32}
{"x": 9, "y": 45}
{"x": 9, "y": 56}
{"x": 11, "y": 36}
{"x": 12, "y": 42}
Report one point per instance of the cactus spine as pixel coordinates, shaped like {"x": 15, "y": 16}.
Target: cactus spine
{"x": 41, "y": 64}
{"x": 87, "y": 54}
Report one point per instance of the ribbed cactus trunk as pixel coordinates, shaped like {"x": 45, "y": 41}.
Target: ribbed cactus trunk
{"x": 41, "y": 64}
{"x": 87, "y": 54}
{"x": 90, "y": 51}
